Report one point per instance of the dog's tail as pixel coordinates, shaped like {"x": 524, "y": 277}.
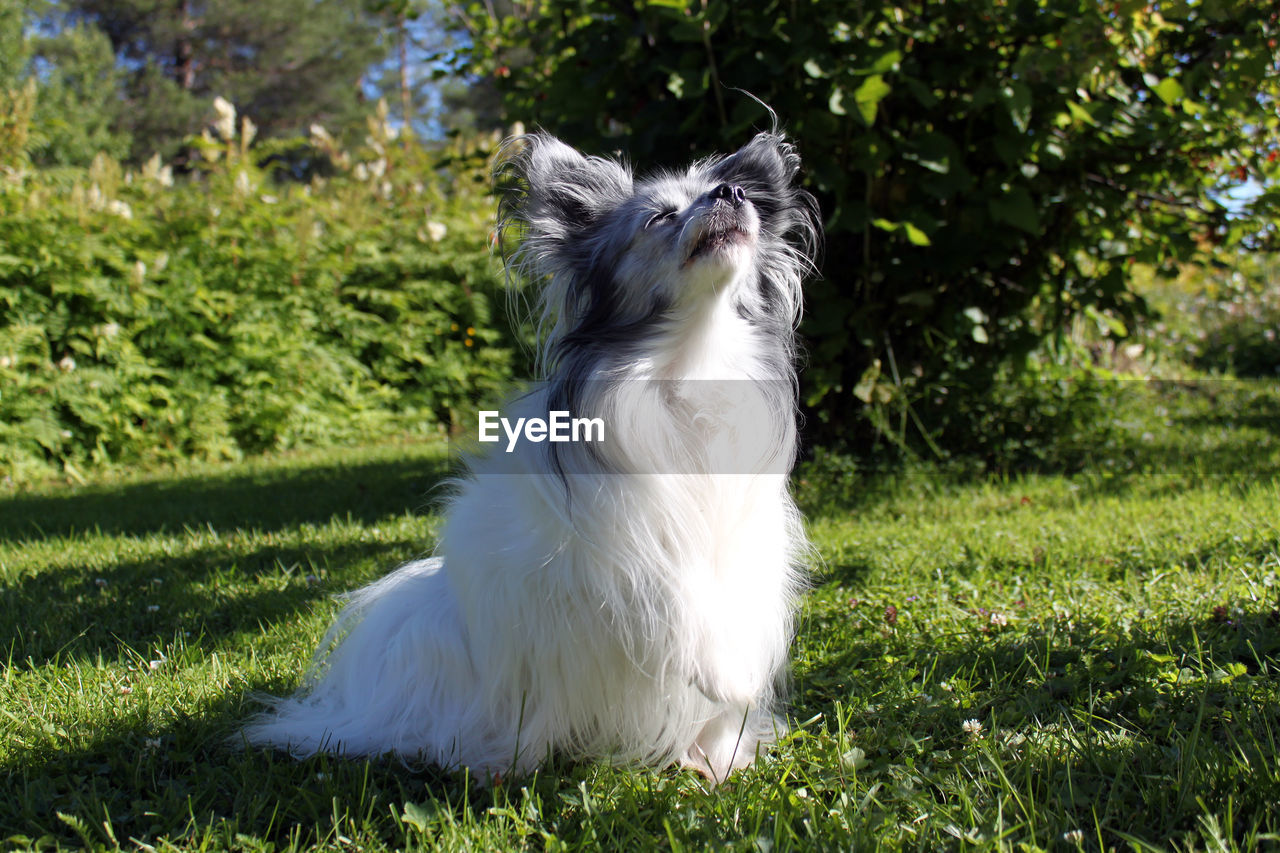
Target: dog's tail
{"x": 393, "y": 674}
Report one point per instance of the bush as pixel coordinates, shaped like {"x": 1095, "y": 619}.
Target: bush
{"x": 1220, "y": 319}
{"x": 143, "y": 316}
{"x": 987, "y": 171}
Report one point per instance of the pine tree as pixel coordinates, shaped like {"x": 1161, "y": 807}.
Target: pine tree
{"x": 284, "y": 63}
{"x": 78, "y": 109}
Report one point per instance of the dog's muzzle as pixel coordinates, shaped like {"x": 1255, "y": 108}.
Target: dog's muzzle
{"x": 729, "y": 222}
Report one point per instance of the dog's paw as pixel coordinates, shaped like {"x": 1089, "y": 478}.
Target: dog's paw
{"x": 731, "y": 741}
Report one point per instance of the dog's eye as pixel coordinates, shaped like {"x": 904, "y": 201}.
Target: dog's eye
{"x": 661, "y": 217}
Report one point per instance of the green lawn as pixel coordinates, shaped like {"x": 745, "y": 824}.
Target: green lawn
{"x": 1035, "y": 662}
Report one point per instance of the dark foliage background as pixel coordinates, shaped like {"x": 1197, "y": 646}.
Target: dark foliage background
{"x": 988, "y": 171}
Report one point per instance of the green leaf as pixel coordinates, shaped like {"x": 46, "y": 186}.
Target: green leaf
{"x": 1105, "y": 321}
{"x": 1168, "y": 90}
{"x": 916, "y": 236}
{"x": 1016, "y": 208}
{"x": 1079, "y": 113}
{"x": 869, "y": 95}
{"x": 420, "y": 816}
{"x": 886, "y": 62}
{"x": 931, "y": 150}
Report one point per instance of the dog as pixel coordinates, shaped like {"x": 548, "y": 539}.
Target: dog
{"x": 631, "y": 599}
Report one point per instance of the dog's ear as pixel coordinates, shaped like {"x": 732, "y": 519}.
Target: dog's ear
{"x": 767, "y": 169}
{"x": 553, "y": 188}
{"x": 768, "y": 162}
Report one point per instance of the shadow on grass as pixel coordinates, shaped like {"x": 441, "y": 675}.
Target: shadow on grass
{"x": 261, "y": 501}
{"x": 184, "y": 782}
{"x": 1141, "y": 732}
{"x": 71, "y": 613}
{"x": 181, "y": 779}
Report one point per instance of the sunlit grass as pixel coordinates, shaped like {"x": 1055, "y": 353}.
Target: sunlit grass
{"x": 1037, "y": 662}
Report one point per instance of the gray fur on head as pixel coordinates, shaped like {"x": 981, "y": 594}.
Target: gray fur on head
{"x": 576, "y": 221}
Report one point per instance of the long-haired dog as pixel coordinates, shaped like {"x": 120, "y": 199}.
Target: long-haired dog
{"x": 630, "y": 599}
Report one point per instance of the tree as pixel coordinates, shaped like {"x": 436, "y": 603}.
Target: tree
{"x": 987, "y": 170}
{"x": 13, "y": 47}
{"x": 17, "y": 89}
{"x": 415, "y": 80}
{"x": 284, "y": 64}
{"x": 78, "y": 107}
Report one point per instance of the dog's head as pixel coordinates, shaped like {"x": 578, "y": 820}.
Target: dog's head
{"x": 617, "y": 252}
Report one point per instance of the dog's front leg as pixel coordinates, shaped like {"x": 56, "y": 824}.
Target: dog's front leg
{"x": 729, "y": 673}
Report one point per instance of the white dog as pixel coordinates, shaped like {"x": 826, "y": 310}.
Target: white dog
{"x": 630, "y": 599}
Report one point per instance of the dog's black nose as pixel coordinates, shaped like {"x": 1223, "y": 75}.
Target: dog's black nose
{"x": 731, "y": 193}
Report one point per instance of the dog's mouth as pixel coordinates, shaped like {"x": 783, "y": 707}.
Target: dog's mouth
{"x": 718, "y": 238}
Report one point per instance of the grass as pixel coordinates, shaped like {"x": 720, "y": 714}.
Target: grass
{"x": 1033, "y": 662}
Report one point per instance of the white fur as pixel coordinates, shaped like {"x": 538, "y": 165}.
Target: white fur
{"x": 635, "y": 604}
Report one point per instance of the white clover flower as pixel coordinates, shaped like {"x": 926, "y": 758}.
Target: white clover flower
{"x": 999, "y": 620}
{"x": 1073, "y": 836}
{"x": 66, "y": 364}
{"x": 854, "y": 759}
{"x": 226, "y": 123}
{"x": 436, "y": 231}
{"x": 972, "y": 728}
